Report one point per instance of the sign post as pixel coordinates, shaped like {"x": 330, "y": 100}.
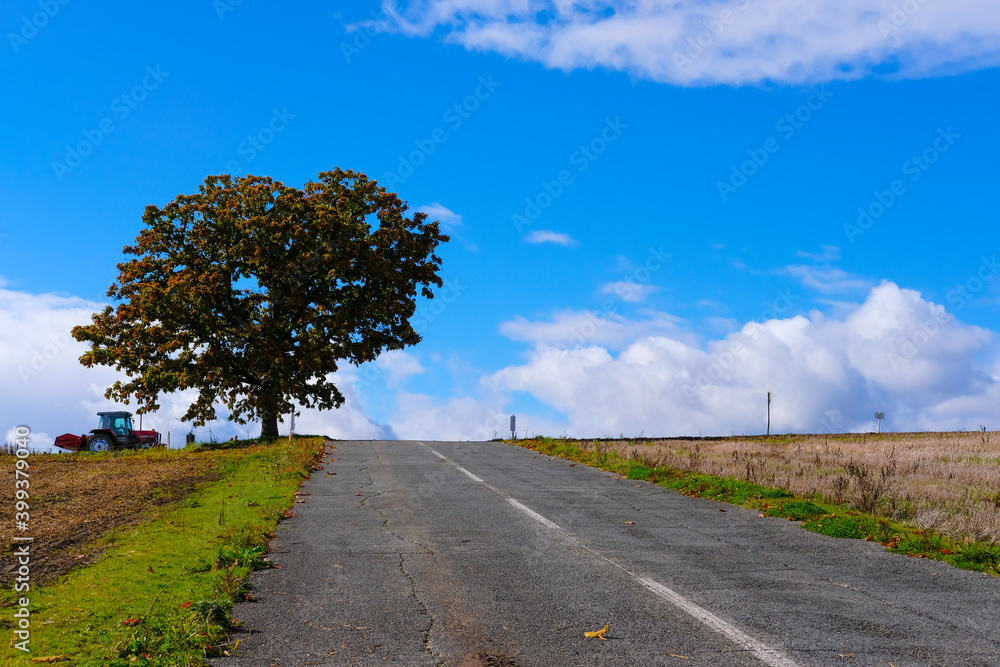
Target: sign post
{"x": 513, "y": 430}
{"x": 879, "y": 416}
{"x": 769, "y": 413}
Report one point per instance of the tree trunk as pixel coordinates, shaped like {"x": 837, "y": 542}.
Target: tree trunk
{"x": 269, "y": 426}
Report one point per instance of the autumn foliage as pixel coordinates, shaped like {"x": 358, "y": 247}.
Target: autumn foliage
{"x": 252, "y": 292}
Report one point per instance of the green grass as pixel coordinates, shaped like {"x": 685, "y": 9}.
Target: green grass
{"x": 163, "y": 593}
{"x": 815, "y": 515}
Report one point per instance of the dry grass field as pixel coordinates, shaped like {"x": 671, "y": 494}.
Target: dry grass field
{"x": 949, "y": 482}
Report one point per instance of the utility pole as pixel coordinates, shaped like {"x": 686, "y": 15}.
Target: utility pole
{"x": 769, "y": 413}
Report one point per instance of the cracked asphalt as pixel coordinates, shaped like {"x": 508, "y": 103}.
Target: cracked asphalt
{"x": 413, "y": 553}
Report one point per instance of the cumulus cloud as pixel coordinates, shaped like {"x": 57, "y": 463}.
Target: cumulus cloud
{"x": 896, "y": 353}
{"x": 546, "y": 236}
{"x": 692, "y": 42}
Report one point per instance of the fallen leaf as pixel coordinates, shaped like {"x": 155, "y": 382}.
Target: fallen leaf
{"x": 186, "y": 604}
{"x": 720, "y": 511}
{"x": 629, "y": 522}
{"x": 761, "y": 515}
{"x": 357, "y": 494}
{"x": 131, "y": 621}
{"x": 50, "y": 658}
{"x": 599, "y": 634}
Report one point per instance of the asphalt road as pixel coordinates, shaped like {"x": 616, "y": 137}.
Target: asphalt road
{"x": 436, "y": 553}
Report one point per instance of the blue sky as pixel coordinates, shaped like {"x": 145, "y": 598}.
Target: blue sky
{"x": 629, "y": 188}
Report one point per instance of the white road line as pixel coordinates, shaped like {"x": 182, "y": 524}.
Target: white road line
{"x": 535, "y": 515}
{"x": 470, "y": 475}
{"x": 760, "y": 650}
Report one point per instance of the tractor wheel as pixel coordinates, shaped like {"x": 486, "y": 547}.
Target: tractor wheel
{"x": 99, "y": 443}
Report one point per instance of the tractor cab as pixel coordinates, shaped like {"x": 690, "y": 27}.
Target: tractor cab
{"x": 119, "y": 423}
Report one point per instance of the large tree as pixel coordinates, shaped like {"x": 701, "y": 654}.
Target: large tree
{"x": 252, "y": 292}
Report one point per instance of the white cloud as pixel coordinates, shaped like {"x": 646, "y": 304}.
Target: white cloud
{"x": 398, "y": 366}
{"x": 571, "y": 328}
{"x": 733, "y": 42}
{"x": 831, "y": 253}
{"x": 423, "y": 417}
{"x": 827, "y": 278}
{"x": 629, "y": 291}
{"x": 448, "y": 218}
{"x": 545, "y": 236}
{"x": 896, "y": 352}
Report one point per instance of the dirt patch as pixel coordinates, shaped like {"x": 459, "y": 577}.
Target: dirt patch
{"x": 75, "y": 499}
{"x": 497, "y": 660}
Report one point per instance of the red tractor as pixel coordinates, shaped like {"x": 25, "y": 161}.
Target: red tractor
{"x": 113, "y": 432}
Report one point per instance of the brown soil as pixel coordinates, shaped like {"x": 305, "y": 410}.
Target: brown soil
{"x": 75, "y": 499}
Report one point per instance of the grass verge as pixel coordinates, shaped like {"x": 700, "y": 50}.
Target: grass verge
{"x": 816, "y": 515}
{"x": 162, "y": 592}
